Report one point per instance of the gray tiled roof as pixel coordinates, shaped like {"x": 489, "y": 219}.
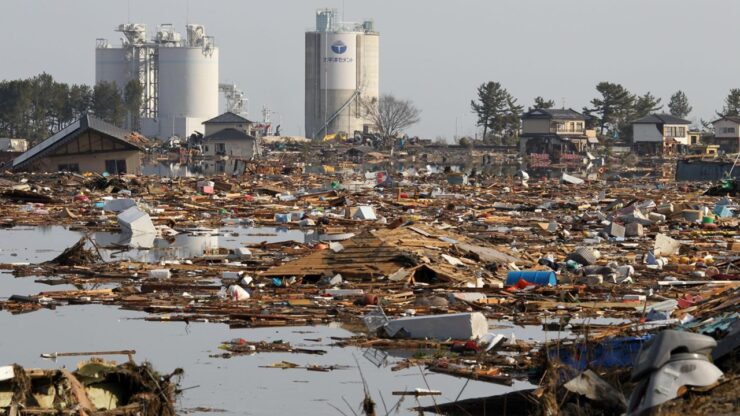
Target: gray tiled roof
{"x": 229, "y": 134}
{"x": 735, "y": 119}
{"x": 660, "y": 119}
{"x": 551, "y": 113}
{"x": 72, "y": 131}
{"x": 227, "y": 117}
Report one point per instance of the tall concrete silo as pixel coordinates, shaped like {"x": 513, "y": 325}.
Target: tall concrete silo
{"x": 342, "y": 73}
{"x": 134, "y": 59}
{"x": 179, "y": 76}
{"x": 188, "y": 83}
{"x": 111, "y": 64}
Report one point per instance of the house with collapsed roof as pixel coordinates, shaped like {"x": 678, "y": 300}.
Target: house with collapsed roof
{"x": 230, "y": 135}
{"x": 88, "y": 144}
{"x": 657, "y": 134}
{"x": 548, "y": 130}
{"x": 405, "y": 254}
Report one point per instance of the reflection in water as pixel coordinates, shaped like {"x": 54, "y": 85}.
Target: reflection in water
{"x": 205, "y": 167}
{"x": 191, "y": 244}
{"x": 34, "y": 244}
{"x": 238, "y": 385}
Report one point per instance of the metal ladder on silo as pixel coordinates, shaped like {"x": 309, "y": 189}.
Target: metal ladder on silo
{"x": 336, "y": 114}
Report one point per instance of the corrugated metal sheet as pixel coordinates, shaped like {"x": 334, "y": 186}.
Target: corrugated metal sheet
{"x": 698, "y": 170}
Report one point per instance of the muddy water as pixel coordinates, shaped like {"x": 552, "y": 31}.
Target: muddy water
{"x": 238, "y": 386}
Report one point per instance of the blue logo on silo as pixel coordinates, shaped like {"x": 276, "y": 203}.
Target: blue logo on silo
{"x": 338, "y": 47}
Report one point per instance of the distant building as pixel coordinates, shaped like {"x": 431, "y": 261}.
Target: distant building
{"x": 13, "y": 145}
{"x": 727, "y": 134}
{"x": 695, "y": 137}
{"x": 658, "y": 134}
{"x": 178, "y": 75}
{"x": 230, "y": 135}
{"x": 86, "y": 145}
{"x": 555, "y": 131}
{"x": 342, "y": 72}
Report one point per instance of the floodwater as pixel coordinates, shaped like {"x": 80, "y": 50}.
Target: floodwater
{"x": 238, "y": 385}
{"x": 34, "y": 244}
{"x": 235, "y": 386}
{"x": 187, "y": 245}
{"x": 39, "y": 244}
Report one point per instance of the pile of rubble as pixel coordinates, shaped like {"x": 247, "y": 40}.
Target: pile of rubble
{"x": 412, "y": 262}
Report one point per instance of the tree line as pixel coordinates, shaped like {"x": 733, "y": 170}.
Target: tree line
{"x": 610, "y": 112}
{"x": 37, "y": 107}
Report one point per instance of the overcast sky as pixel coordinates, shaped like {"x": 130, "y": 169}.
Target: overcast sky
{"x": 432, "y": 52}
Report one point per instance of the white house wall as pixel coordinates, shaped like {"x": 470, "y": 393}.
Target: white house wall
{"x": 721, "y": 124}
{"x": 680, "y": 139}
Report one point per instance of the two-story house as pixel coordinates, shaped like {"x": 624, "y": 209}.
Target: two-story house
{"x": 554, "y": 131}
{"x": 230, "y": 135}
{"x": 658, "y": 134}
{"x": 727, "y": 134}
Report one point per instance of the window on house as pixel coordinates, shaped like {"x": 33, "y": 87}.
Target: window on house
{"x": 69, "y": 167}
{"x": 675, "y": 131}
{"x": 727, "y": 130}
{"x": 115, "y": 167}
{"x": 220, "y": 148}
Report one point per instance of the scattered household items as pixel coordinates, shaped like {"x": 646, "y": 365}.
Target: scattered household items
{"x": 95, "y": 388}
{"x": 668, "y": 362}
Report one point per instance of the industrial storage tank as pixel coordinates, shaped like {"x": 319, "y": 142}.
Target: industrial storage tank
{"x": 179, "y": 76}
{"x": 111, "y": 64}
{"x": 122, "y": 64}
{"x": 342, "y": 73}
{"x": 188, "y": 88}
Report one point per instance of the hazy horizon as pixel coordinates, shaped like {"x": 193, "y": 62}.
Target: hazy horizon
{"x": 432, "y": 54}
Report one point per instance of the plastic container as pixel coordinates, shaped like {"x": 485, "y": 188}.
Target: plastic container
{"x": 160, "y": 274}
{"x": 537, "y": 277}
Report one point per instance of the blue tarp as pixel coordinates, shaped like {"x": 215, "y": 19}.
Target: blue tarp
{"x": 537, "y": 277}
{"x": 609, "y": 353}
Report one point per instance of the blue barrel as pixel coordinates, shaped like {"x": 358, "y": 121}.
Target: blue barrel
{"x": 537, "y": 277}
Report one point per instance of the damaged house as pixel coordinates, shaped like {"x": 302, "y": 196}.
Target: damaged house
{"x": 658, "y": 134}
{"x": 554, "y": 132}
{"x": 230, "y": 135}
{"x": 406, "y": 254}
{"x": 727, "y": 134}
{"x": 86, "y": 145}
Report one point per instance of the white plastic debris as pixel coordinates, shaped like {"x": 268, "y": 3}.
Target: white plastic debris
{"x": 237, "y": 293}
{"x": 160, "y": 274}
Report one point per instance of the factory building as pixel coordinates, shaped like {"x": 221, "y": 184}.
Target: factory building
{"x": 342, "y": 71}
{"x": 179, "y": 76}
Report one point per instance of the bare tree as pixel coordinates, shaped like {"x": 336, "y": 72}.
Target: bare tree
{"x": 389, "y": 115}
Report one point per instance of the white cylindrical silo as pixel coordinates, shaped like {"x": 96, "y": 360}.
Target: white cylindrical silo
{"x": 112, "y": 65}
{"x": 187, "y": 88}
{"x": 342, "y": 72}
